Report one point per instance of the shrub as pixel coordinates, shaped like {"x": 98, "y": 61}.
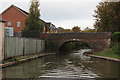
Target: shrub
{"x": 116, "y": 49}
{"x": 116, "y": 37}
{"x": 51, "y": 45}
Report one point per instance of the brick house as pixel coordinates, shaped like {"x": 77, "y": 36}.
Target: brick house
{"x": 16, "y": 17}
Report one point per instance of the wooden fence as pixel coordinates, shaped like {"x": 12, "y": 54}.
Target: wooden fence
{"x": 22, "y": 46}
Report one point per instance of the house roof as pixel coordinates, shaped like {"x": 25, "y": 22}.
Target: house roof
{"x": 87, "y": 28}
{"x": 24, "y": 12}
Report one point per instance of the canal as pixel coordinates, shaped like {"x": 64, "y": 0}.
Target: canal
{"x": 74, "y": 65}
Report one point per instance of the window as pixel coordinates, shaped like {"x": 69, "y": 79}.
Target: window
{"x": 18, "y": 24}
{"x": 9, "y": 23}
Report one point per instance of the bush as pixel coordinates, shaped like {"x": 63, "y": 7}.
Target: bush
{"x": 51, "y": 45}
{"x": 116, "y": 37}
{"x": 116, "y": 49}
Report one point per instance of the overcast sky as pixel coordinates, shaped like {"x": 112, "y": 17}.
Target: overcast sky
{"x": 62, "y": 13}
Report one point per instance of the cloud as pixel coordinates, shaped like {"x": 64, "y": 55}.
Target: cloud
{"x": 70, "y": 14}
{"x": 14, "y": 1}
{"x": 64, "y": 14}
{"x": 65, "y": 11}
{"x": 70, "y": 0}
{"x": 77, "y": 22}
{"x": 22, "y": 5}
{"x": 51, "y": 0}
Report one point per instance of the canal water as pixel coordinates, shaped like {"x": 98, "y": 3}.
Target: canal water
{"x": 74, "y": 65}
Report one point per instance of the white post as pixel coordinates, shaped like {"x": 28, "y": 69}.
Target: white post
{"x": 1, "y": 41}
{"x": 1, "y": 45}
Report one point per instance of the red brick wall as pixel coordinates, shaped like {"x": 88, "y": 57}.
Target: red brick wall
{"x": 77, "y": 35}
{"x": 13, "y": 15}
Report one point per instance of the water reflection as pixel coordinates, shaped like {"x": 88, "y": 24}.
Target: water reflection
{"x": 73, "y": 65}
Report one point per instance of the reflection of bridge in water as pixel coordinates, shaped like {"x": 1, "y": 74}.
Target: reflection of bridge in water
{"x": 96, "y": 40}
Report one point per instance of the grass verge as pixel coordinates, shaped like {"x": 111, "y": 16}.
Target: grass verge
{"x": 113, "y": 51}
{"x": 108, "y": 53}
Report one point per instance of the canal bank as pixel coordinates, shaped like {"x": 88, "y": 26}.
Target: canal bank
{"x": 105, "y": 58}
{"x": 112, "y": 53}
{"x": 21, "y": 59}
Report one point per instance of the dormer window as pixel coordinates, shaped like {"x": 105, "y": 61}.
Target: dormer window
{"x": 9, "y": 23}
{"x": 18, "y": 24}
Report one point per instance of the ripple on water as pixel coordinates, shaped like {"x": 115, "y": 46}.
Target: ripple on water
{"x": 72, "y": 65}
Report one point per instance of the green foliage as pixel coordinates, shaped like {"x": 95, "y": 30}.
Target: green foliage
{"x": 90, "y": 30}
{"x": 116, "y": 37}
{"x": 113, "y": 51}
{"x": 67, "y": 48}
{"x": 60, "y": 28}
{"x": 9, "y": 60}
{"x": 108, "y": 54}
{"x": 76, "y": 29}
{"x": 107, "y": 16}
{"x": 72, "y": 46}
{"x": 54, "y": 45}
{"x": 116, "y": 49}
{"x": 33, "y": 25}
{"x": 51, "y": 45}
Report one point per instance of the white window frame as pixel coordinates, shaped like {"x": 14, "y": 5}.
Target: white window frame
{"x": 9, "y": 23}
{"x": 18, "y": 24}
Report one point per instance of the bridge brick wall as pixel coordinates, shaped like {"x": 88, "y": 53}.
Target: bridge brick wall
{"x": 98, "y": 41}
{"x": 93, "y": 35}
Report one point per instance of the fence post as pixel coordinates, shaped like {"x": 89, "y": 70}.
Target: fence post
{"x": 23, "y": 47}
{"x": 1, "y": 40}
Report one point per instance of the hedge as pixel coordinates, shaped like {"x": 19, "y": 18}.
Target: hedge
{"x": 116, "y": 37}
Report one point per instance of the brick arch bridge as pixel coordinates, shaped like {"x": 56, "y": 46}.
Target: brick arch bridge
{"x": 98, "y": 41}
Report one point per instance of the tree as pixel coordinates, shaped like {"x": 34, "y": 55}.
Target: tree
{"x": 76, "y": 29}
{"x": 33, "y": 25}
{"x": 107, "y": 16}
{"x": 60, "y": 29}
{"x": 90, "y": 30}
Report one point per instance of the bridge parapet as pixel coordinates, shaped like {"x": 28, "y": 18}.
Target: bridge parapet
{"x": 78, "y": 35}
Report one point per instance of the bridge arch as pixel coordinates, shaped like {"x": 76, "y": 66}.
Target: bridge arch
{"x": 64, "y": 42}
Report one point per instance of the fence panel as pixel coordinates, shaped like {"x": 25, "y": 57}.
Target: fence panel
{"x": 42, "y": 45}
{"x": 26, "y": 46}
{"x": 39, "y": 46}
{"x": 22, "y": 46}
{"x": 19, "y": 46}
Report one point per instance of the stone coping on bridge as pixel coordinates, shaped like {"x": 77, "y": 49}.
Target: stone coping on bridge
{"x": 81, "y": 33}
